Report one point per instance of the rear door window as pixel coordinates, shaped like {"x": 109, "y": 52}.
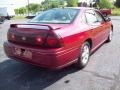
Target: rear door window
{"x": 91, "y": 17}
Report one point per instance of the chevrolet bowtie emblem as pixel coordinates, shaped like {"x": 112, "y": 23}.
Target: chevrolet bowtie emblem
{"x": 24, "y": 38}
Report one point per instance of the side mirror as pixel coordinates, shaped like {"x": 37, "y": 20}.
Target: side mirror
{"x": 107, "y": 19}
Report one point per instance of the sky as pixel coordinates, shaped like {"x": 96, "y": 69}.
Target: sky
{"x": 17, "y": 3}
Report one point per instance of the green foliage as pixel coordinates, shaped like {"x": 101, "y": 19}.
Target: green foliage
{"x": 105, "y": 4}
{"x": 33, "y": 8}
{"x": 72, "y": 3}
{"x": 47, "y": 4}
{"x": 16, "y": 11}
{"x": 117, "y": 4}
{"x": 116, "y": 12}
{"x": 21, "y": 10}
{"x": 18, "y": 17}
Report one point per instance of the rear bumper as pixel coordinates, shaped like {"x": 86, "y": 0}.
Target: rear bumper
{"x": 52, "y": 58}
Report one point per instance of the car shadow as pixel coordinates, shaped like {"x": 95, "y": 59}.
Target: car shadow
{"x": 18, "y": 76}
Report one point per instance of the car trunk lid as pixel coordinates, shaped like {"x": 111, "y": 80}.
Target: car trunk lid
{"x": 33, "y": 34}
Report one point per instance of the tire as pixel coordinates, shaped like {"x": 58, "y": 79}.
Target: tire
{"x": 110, "y": 36}
{"x": 84, "y": 55}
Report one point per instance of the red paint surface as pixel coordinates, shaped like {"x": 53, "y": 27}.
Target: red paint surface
{"x": 70, "y": 38}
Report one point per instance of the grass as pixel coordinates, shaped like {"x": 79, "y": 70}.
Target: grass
{"x": 18, "y": 17}
{"x": 116, "y": 12}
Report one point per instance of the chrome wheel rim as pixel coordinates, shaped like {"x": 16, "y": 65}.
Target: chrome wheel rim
{"x": 85, "y": 54}
{"x": 110, "y": 35}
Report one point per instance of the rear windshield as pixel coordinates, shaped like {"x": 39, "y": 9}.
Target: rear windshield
{"x": 56, "y": 16}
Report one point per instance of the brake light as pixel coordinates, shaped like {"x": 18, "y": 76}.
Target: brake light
{"x": 51, "y": 41}
{"x": 11, "y": 36}
{"x": 54, "y": 41}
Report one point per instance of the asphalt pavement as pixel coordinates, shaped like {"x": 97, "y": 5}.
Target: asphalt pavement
{"x": 101, "y": 73}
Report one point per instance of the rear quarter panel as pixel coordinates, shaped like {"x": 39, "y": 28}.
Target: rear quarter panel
{"x": 73, "y": 37}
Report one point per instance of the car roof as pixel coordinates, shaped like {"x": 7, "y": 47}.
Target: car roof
{"x": 80, "y": 8}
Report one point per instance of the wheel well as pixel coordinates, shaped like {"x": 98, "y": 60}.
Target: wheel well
{"x": 112, "y": 27}
{"x": 90, "y": 42}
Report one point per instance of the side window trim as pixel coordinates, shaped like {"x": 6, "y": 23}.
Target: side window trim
{"x": 83, "y": 16}
{"x": 97, "y": 12}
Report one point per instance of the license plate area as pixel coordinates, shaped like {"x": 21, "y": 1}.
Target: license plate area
{"x": 23, "y": 53}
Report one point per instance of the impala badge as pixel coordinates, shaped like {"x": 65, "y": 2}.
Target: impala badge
{"x": 23, "y": 38}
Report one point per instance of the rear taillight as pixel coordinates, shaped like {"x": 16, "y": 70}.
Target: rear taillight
{"x": 54, "y": 41}
{"x": 11, "y": 36}
{"x": 49, "y": 41}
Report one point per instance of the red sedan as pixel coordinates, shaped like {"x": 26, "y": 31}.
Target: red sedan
{"x": 59, "y": 37}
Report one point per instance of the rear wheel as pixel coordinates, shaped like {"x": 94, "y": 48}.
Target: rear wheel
{"x": 84, "y": 55}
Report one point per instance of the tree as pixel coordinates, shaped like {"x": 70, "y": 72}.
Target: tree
{"x": 105, "y": 4}
{"x": 117, "y": 4}
{"x": 16, "y": 11}
{"x": 47, "y": 4}
{"x": 21, "y": 10}
{"x": 72, "y": 3}
{"x": 33, "y": 8}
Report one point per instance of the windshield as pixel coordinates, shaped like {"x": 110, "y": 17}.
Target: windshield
{"x": 56, "y": 16}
